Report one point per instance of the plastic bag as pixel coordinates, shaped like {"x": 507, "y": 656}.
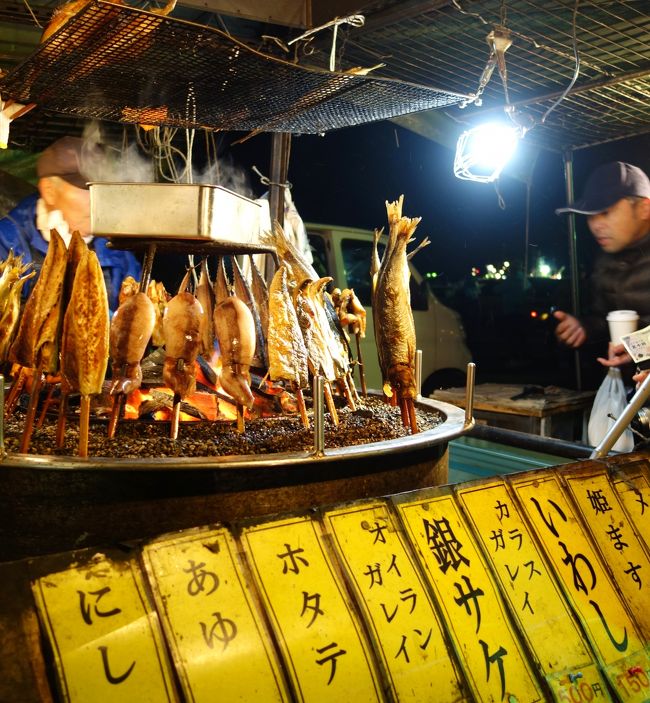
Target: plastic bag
{"x": 610, "y": 400}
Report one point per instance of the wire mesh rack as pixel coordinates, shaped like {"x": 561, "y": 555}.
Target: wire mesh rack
{"x": 445, "y": 44}
{"x": 116, "y": 63}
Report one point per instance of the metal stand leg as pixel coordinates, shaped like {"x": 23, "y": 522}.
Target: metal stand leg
{"x": 617, "y": 429}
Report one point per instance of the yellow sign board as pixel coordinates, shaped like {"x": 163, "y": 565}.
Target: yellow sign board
{"x": 105, "y": 638}
{"x": 587, "y": 585}
{"x": 536, "y": 601}
{"x": 614, "y": 535}
{"x": 490, "y": 651}
{"x": 327, "y": 655}
{"x": 633, "y": 488}
{"x": 209, "y": 615}
{"x": 398, "y": 609}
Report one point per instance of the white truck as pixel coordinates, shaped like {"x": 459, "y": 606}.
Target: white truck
{"x": 344, "y": 253}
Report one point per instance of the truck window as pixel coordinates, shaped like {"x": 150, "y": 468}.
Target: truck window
{"x": 356, "y": 261}
{"x": 319, "y": 255}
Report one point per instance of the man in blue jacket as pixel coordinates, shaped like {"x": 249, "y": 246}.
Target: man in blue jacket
{"x": 63, "y": 203}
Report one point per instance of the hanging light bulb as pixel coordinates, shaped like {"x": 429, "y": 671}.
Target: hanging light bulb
{"x": 483, "y": 151}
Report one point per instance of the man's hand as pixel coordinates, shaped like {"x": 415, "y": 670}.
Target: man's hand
{"x": 616, "y": 356}
{"x": 640, "y": 377}
{"x": 569, "y": 331}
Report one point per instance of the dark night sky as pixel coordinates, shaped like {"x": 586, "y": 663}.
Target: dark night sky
{"x": 345, "y": 176}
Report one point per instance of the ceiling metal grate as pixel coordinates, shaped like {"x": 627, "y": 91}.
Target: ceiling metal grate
{"x": 116, "y": 63}
{"x": 444, "y": 44}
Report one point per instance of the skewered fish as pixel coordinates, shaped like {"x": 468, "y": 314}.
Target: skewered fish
{"x": 182, "y": 325}
{"x": 235, "y": 330}
{"x": 243, "y": 292}
{"x": 221, "y": 284}
{"x": 36, "y": 343}
{"x": 393, "y": 318}
{"x": 130, "y": 332}
{"x": 205, "y": 296}
{"x": 13, "y": 277}
{"x": 76, "y": 249}
{"x": 260, "y": 293}
{"x": 85, "y": 337}
{"x": 287, "y": 351}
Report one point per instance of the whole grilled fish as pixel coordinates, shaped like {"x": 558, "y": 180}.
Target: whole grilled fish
{"x": 85, "y": 337}
{"x": 392, "y": 315}
{"x": 37, "y": 340}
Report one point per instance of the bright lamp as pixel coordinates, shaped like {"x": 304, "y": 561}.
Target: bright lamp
{"x": 483, "y": 151}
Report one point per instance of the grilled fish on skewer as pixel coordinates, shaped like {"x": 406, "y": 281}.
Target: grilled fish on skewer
{"x": 85, "y": 337}
{"x": 287, "y": 351}
{"x": 298, "y": 268}
{"x": 14, "y": 275}
{"x": 320, "y": 358}
{"x": 394, "y": 326}
{"x": 260, "y": 294}
{"x": 243, "y": 292}
{"x": 130, "y": 332}
{"x": 235, "y": 330}
{"x": 205, "y": 296}
{"x": 36, "y": 343}
{"x": 222, "y": 289}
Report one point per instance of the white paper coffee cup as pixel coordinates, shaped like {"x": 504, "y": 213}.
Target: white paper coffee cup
{"x": 621, "y": 322}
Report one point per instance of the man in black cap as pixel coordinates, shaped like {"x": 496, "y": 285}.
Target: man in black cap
{"x": 616, "y": 201}
{"x": 63, "y": 203}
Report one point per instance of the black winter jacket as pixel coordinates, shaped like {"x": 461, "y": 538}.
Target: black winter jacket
{"x": 619, "y": 281}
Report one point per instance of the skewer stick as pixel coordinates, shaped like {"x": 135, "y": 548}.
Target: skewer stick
{"x": 329, "y": 399}
{"x": 15, "y": 390}
{"x": 84, "y": 425}
{"x": 404, "y": 411}
{"x": 46, "y": 405}
{"x": 176, "y": 416}
{"x": 118, "y": 400}
{"x": 241, "y": 425}
{"x": 362, "y": 373}
{"x": 353, "y": 387}
{"x": 343, "y": 385}
{"x": 31, "y": 412}
{"x": 60, "y": 424}
{"x": 412, "y": 419}
{"x": 300, "y": 398}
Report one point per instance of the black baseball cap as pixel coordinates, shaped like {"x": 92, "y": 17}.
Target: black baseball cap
{"x": 607, "y": 185}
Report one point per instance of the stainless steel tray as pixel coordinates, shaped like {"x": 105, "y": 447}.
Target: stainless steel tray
{"x": 173, "y": 210}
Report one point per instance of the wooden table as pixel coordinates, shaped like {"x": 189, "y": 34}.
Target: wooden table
{"x": 547, "y": 411}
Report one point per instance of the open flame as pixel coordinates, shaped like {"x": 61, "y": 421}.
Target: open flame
{"x": 213, "y": 404}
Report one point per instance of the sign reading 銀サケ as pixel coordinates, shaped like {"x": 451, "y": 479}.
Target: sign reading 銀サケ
{"x": 215, "y": 630}
{"x": 105, "y": 638}
{"x": 632, "y": 484}
{"x": 536, "y": 602}
{"x": 489, "y": 649}
{"x": 608, "y": 624}
{"x": 406, "y": 632}
{"x": 613, "y": 533}
{"x": 327, "y": 655}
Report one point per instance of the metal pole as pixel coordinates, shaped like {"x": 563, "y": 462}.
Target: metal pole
{"x": 469, "y": 394}
{"x": 418, "y": 373}
{"x": 624, "y": 419}
{"x": 567, "y": 157}
{"x": 279, "y": 170}
{"x": 319, "y": 415}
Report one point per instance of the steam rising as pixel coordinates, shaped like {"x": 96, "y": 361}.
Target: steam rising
{"x": 120, "y": 163}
